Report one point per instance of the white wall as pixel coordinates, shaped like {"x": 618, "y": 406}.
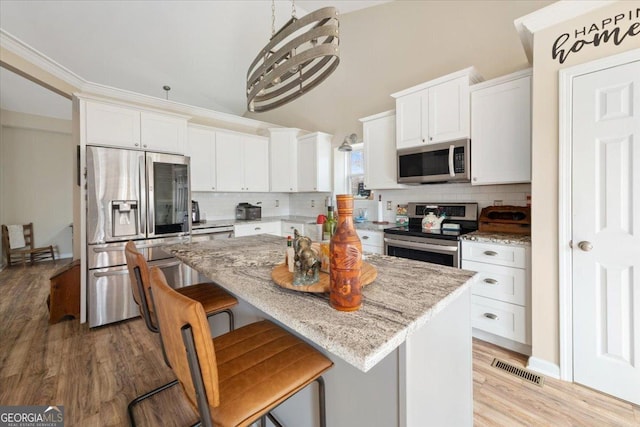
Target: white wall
{"x": 36, "y": 177}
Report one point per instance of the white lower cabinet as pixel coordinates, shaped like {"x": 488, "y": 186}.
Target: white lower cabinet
{"x": 257, "y": 227}
{"x": 372, "y": 241}
{"x": 288, "y": 227}
{"x": 501, "y": 293}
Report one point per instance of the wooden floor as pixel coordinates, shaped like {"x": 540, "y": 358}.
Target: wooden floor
{"x": 95, "y": 373}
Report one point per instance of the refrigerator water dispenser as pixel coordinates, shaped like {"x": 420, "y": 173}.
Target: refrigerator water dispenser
{"x": 124, "y": 217}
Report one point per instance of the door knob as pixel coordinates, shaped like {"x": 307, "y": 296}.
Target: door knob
{"x": 585, "y": 246}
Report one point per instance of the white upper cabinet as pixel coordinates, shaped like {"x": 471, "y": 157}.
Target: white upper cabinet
{"x": 434, "y": 111}
{"x": 314, "y": 162}
{"x": 283, "y": 156}
{"x": 108, "y": 124}
{"x": 129, "y": 127}
{"x": 501, "y": 130}
{"x": 201, "y": 147}
{"x": 160, "y": 132}
{"x": 241, "y": 162}
{"x": 381, "y": 165}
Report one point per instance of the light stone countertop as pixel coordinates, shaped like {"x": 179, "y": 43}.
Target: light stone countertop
{"x": 502, "y": 238}
{"x": 404, "y": 297}
{"x": 233, "y": 221}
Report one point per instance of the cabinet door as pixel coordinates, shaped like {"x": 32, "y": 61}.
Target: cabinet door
{"x": 256, "y": 163}
{"x": 449, "y": 110}
{"x": 283, "y": 152}
{"x": 501, "y": 133}
{"x": 163, "y": 133}
{"x": 112, "y": 125}
{"x": 201, "y": 148}
{"x": 412, "y": 116}
{"x": 307, "y": 165}
{"x": 229, "y": 162}
{"x": 381, "y": 164}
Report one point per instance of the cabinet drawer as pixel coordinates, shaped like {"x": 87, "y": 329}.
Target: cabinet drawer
{"x": 500, "y": 318}
{"x": 288, "y": 227}
{"x": 370, "y": 238}
{"x": 498, "y": 282}
{"x": 373, "y": 249}
{"x": 257, "y": 227}
{"x": 510, "y": 256}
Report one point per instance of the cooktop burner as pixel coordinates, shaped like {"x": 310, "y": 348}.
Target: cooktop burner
{"x": 464, "y": 215}
{"x": 434, "y": 234}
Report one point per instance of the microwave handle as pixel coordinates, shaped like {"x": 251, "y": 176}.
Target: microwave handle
{"x": 452, "y": 171}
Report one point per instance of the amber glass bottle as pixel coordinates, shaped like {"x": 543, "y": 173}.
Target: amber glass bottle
{"x": 346, "y": 259}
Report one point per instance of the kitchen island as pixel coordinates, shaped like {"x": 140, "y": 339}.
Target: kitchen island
{"x": 403, "y": 359}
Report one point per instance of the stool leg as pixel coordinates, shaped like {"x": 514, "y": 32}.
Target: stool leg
{"x": 321, "y": 400}
{"x": 147, "y": 395}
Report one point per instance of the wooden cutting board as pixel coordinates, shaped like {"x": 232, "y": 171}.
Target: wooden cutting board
{"x": 282, "y": 277}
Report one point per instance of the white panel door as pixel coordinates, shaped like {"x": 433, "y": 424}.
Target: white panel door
{"x": 606, "y": 230}
{"x": 201, "y": 148}
{"x": 256, "y": 163}
{"x": 229, "y": 162}
{"x": 449, "y": 110}
{"x": 411, "y": 119}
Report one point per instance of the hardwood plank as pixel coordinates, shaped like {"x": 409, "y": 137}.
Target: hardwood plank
{"x": 94, "y": 373}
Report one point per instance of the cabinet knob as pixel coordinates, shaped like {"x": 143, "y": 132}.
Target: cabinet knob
{"x": 430, "y": 138}
{"x": 213, "y": 188}
{"x": 136, "y": 144}
{"x": 365, "y": 237}
{"x": 423, "y": 140}
{"x": 145, "y": 145}
{"x": 490, "y": 316}
{"x": 475, "y": 178}
{"x": 257, "y": 228}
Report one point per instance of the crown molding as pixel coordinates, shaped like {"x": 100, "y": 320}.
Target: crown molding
{"x": 549, "y": 16}
{"x": 38, "y": 59}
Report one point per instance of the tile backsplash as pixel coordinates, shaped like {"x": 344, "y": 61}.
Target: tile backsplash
{"x": 222, "y": 205}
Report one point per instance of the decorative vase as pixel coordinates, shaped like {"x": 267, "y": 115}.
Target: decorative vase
{"x": 346, "y": 260}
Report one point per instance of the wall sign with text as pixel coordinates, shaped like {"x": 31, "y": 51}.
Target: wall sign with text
{"x": 615, "y": 29}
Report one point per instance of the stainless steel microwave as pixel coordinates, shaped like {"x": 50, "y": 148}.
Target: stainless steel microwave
{"x": 431, "y": 163}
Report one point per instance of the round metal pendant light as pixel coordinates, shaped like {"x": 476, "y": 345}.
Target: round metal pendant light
{"x": 297, "y": 58}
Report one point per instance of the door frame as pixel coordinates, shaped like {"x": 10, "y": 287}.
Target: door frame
{"x": 565, "y": 171}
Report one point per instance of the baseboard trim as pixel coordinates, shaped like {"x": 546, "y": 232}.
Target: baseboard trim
{"x": 544, "y": 367}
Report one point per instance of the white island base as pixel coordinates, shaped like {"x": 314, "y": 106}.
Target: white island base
{"x": 426, "y": 381}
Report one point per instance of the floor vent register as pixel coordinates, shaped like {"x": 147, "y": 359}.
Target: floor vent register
{"x": 518, "y": 372}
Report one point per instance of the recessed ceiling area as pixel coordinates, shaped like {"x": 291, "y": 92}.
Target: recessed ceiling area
{"x": 201, "y": 49}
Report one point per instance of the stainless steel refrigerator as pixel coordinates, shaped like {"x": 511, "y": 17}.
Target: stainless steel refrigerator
{"x": 132, "y": 195}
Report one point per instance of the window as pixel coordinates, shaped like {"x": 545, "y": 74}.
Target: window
{"x": 355, "y": 169}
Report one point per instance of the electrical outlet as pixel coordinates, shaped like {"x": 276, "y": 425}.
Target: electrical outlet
{"x": 277, "y": 203}
{"x": 497, "y": 202}
{"x": 313, "y": 203}
{"x": 389, "y": 205}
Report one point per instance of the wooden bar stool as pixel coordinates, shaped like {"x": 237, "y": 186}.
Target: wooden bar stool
{"x": 213, "y": 298}
{"x": 237, "y": 378}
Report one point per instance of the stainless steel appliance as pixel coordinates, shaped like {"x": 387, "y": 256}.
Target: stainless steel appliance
{"x": 213, "y": 231}
{"x": 248, "y": 211}
{"x": 441, "y": 246}
{"x": 132, "y": 195}
{"x": 431, "y": 163}
{"x": 195, "y": 212}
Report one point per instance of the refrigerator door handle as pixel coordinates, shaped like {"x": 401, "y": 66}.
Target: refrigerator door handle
{"x": 142, "y": 212}
{"x": 150, "y": 197}
{"x": 111, "y": 273}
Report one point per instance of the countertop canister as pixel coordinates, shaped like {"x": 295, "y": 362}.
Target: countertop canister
{"x": 346, "y": 259}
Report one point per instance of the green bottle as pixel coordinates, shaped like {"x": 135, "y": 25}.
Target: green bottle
{"x": 329, "y": 225}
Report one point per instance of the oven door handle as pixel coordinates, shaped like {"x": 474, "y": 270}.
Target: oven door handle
{"x": 422, "y": 246}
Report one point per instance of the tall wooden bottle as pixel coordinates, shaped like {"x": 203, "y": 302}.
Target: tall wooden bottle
{"x": 346, "y": 259}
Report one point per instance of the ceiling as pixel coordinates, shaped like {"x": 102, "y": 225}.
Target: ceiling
{"x": 201, "y": 49}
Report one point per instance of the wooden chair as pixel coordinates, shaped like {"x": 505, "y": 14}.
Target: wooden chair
{"x": 237, "y": 378}
{"x": 19, "y": 255}
{"x": 215, "y": 300}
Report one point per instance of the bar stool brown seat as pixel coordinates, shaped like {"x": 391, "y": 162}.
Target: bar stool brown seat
{"x": 213, "y": 298}
{"x": 237, "y": 378}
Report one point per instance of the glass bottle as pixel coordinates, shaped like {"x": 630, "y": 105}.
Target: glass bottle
{"x": 346, "y": 260}
{"x": 329, "y": 226}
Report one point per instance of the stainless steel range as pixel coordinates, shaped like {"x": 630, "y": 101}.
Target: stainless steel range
{"x": 440, "y": 246}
